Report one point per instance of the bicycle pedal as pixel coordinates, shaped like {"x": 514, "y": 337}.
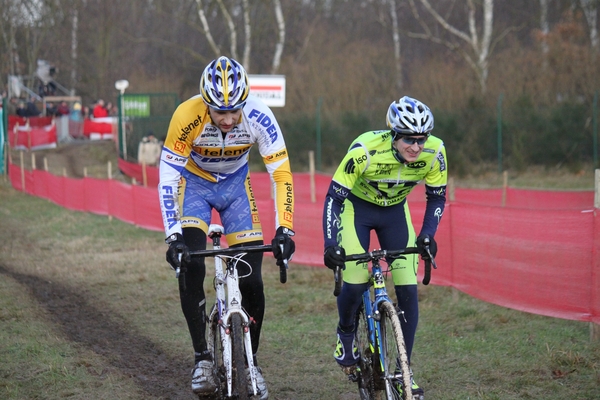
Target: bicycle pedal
{"x": 352, "y": 371}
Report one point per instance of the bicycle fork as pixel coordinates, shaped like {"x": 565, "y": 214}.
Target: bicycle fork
{"x": 225, "y": 312}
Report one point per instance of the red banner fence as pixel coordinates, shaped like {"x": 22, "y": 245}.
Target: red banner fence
{"x": 530, "y": 250}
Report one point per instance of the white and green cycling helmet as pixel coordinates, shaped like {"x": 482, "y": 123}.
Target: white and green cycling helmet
{"x": 409, "y": 117}
{"x": 224, "y": 84}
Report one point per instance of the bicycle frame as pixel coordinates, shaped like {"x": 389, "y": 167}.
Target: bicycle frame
{"x": 371, "y": 307}
{"x": 378, "y": 306}
{"x": 228, "y": 302}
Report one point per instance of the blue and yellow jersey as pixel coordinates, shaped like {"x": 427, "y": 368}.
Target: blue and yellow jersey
{"x": 373, "y": 171}
{"x": 197, "y": 145}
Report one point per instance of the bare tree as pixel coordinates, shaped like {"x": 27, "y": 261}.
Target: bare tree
{"x": 25, "y": 25}
{"x": 478, "y": 39}
{"x": 206, "y": 29}
{"x": 544, "y": 25}
{"x": 280, "y": 37}
{"x": 590, "y": 10}
{"x": 74, "y": 43}
{"x": 228, "y": 12}
{"x": 396, "y": 39}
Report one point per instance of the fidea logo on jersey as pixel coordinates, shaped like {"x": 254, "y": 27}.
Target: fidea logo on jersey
{"x": 416, "y": 164}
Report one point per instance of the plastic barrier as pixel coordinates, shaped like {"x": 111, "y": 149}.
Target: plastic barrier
{"x": 33, "y": 137}
{"x": 99, "y": 128}
{"x": 541, "y": 257}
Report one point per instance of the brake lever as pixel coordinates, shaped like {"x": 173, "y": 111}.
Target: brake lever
{"x": 283, "y": 270}
{"x": 431, "y": 257}
{"x": 178, "y": 269}
{"x": 426, "y": 242}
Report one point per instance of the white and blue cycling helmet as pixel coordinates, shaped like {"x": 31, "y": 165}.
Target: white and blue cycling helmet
{"x": 224, "y": 84}
{"x": 409, "y": 117}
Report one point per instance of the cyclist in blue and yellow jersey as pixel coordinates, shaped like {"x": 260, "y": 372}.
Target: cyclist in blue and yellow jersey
{"x": 368, "y": 192}
{"x": 204, "y": 166}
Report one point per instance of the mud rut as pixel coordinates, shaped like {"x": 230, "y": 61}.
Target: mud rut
{"x": 157, "y": 374}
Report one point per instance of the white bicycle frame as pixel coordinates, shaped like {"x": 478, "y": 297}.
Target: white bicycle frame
{"x": 229, "y": 302}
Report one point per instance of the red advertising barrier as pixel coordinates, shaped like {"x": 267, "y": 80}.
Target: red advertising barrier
{"x": 101, "y": 129}
{"x": 541, "y": 256}
{"x": 33, "y": 137}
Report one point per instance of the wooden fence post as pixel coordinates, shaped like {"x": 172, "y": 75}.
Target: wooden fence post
{"x": 504, "y": 187}
{"x": 311, "y": 170}
{"x": 22, "y": 171}
{"x": 144, "y": 177}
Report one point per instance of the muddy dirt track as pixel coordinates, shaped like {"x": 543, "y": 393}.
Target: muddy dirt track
{"x": 73, "y": 313}
{"x": 154, "y": 372}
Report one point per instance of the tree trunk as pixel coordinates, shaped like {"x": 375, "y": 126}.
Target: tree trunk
{"x": 396, "y": 39}
{"x": 281, "y": 37}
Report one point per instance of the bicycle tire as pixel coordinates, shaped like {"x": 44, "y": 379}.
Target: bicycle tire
{"x": 215, "y": 347}
{"x": 238, "y": 358}
{"x": 366, "y": 388}
{"x": 394, "y": 354}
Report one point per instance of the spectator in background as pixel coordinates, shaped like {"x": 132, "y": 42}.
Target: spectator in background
{"x": 76, "y": 121}
{"x": 21, "y": 109}
{"x": 149, "y": 150}
{"x": 63, "y": 109}
{"x": 76, "y": 115}
{"x": 85, "y": 112}
{"x": 11, "y": 108}
{"x": 99, "y": 110}
{"x": 111, "y": 109}
{"x": 50, "y": 109}
{"x": 32, "y": 109}
{"x": 28, "y": 109}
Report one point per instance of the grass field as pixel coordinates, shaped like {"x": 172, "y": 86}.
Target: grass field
{"x": 89, "y": 309}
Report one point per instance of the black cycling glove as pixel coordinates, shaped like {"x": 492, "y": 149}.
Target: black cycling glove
{"x": 283, "y": 237}
{"x": 334, "y": 256}
{"x": 422, "y": 242}
{"x": 176, "y": 247}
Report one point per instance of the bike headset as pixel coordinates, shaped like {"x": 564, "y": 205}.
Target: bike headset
{"x": 224, "y": 85}
{"x": 408, "y": 117}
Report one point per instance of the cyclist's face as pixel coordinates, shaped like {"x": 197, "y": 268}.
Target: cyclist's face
{"x": 225, "y": 120}
{"x": 409, "y": 147}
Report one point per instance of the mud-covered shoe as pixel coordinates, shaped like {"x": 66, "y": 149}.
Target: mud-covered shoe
{"x": 261, "y": 385}
{"x": 346, "y": 350}
{"x": 204, "y": 381}
{"x": 417, "y": 392}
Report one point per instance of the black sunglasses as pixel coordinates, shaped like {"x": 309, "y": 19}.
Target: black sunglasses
{"x": 412, "y": 140}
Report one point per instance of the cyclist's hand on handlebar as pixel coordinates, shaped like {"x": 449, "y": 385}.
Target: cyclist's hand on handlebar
{"x": 423, "y": 241}
{"x": 176, "y": 247}
{"x": 283, "y": 245}
{"x": 334, "y": 256}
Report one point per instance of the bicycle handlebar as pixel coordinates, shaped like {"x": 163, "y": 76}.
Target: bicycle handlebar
{"x": 228, "y": 251}
{"x": 262, "y": 248}
{"x": 378, "y": 255}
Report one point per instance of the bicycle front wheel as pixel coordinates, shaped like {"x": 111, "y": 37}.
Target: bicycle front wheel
{"x": 396, "y": 369}
{"x": 238, "y": 357}
{"x": 365, "y": 377}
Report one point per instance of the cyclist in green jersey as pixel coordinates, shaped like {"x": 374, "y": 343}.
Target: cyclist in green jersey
{"x": 368, "y": 192}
